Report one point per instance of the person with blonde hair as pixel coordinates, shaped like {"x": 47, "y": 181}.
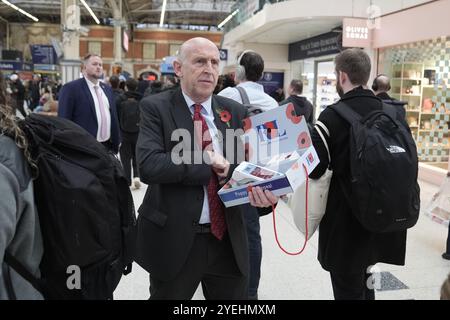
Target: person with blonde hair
{"x": 20, "y": 234}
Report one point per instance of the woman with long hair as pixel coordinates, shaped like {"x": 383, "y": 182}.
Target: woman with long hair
{"x": 20, "y": 234}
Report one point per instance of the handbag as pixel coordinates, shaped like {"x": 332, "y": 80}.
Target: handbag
{"x": 317, "y": 196}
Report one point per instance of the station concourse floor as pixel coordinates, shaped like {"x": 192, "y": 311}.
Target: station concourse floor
{"x": 301, "y": 277}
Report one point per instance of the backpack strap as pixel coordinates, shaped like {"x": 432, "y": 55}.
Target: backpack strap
{"x": 347, "y": 113}
{"x": 319, "y": 127}
{"x": 243, "y": 94}
{"x": 22, "y": 271}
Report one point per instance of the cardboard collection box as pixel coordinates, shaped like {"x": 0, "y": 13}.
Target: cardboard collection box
{"x": 278, "y": 148}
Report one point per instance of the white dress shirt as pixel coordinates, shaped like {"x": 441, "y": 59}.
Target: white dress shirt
{"x": 255, "y": 93}
{"x": 208, "y": 115}
{"x": 97, "y": 108}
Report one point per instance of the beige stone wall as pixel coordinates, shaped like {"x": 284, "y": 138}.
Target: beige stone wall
{"x": 23, "y": 35}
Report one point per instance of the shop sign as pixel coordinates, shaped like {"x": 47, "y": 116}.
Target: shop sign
{"x": 356, "y": 33}
{"x": 43, "y": 54}
{"x": 271, "y": 81}
{"x": 322, "y": 45}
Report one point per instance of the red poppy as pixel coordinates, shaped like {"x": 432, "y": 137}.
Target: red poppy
{"x": 291, "y": 115}
{"x": 290, "y": 111}
{"x": 303, "y": 140}
{"x": 225, "y": 116}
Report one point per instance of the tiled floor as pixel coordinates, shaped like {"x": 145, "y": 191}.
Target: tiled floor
{"x": 301, "y": 277}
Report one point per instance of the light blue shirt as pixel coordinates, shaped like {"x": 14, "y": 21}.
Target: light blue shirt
{"x": 208, "y": 115}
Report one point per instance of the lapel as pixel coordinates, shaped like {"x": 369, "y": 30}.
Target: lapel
{"x": 180, "y": 113}
{"x": 88, "y": 95}
{"x": 220, "y": 125}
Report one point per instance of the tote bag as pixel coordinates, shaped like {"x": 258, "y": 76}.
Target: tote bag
{"x": 317, "y": 196}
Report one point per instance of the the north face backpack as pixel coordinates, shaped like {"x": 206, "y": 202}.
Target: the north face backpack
{"x": 129, "y": 116}
{"x": 384, "y": 166}
{"x": 85, "y": 210}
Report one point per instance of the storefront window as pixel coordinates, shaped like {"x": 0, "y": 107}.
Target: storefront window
{"x": 420, "y": 74}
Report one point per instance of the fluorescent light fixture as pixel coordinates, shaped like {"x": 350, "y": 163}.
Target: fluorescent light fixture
{"x": 20, "y": 10}
{"x": 228, "y": 18}
{"x": 90, "y": 11}
{"x": 163, "y": 12}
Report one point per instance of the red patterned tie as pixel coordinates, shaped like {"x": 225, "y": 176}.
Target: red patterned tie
{"x": 216, "y": 208}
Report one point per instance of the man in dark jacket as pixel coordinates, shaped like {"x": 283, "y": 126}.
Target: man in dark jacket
{"x": 380, "y": 86}
{"x": 129, "y": 117}
{"x": 301, "y": 105}
{"x": 346, "y": 248}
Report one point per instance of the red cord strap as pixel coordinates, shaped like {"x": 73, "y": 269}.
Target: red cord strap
{"x": 306, "y": 221}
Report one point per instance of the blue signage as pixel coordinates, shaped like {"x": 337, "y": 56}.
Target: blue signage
{"x": 43, "y": 54}
{"x": 271, "y": 81}
{"x": 15, "y": 66}
{"x": 167, "y": 68}
{"x": 223, "y": 54}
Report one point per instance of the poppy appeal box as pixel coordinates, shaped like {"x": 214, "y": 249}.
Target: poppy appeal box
{"x": 278, "y": 148}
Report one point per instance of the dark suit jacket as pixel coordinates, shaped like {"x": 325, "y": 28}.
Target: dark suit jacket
{"x": 174, "y": 199}
{"x": 76, "y": 104}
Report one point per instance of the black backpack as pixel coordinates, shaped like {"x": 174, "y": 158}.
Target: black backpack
{"x": 129, "y": 116}
{"x": 85, "y": 210}
{"x": 385, "y": 195}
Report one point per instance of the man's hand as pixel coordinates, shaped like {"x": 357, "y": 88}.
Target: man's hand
{"x": 262, "y": 199}
{"x": 219, "y": 164}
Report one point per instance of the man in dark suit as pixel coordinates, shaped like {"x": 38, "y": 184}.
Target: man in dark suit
{"x": 185, "y": 234}
{"x": 90, "y": 103}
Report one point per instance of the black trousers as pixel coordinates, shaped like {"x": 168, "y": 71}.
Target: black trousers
{"x": 128, "y": 154}
{"x": 352, "y": 286}
{"x": 211, "y": 262}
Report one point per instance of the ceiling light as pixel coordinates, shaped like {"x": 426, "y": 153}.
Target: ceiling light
{"x": 163, "y": 12}
{"x": 90, "y": 11}
{"x": 228, "y": 18}
{"x": 20, "y": 10}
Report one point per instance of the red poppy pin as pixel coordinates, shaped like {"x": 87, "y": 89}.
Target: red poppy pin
{"x": 225, "y": 116}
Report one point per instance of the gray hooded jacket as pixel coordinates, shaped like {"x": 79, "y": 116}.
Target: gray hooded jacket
{"x": 20, "y": 233}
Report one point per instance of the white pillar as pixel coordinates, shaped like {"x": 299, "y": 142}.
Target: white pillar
{"x": 118, "y": 22}
{"x": 70, "y": 21}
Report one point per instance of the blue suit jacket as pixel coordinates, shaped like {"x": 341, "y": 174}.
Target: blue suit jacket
{"x": 76, "y": 104}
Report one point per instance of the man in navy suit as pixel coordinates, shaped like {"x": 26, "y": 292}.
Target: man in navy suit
{"x": 91, "y": 104}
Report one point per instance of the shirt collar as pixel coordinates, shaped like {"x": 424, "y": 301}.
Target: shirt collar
{"x": 206, "y": 104}
{"x": 251, "y": 84}
{"x": 91, "y": 84}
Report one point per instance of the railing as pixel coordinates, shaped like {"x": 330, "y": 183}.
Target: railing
{"x": 247, "y": 8}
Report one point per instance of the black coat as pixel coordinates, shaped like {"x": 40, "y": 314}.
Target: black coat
{"x": 399, "y": 105}
{"x": 174, "y": 199}
{"x": 344, "y": 245}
